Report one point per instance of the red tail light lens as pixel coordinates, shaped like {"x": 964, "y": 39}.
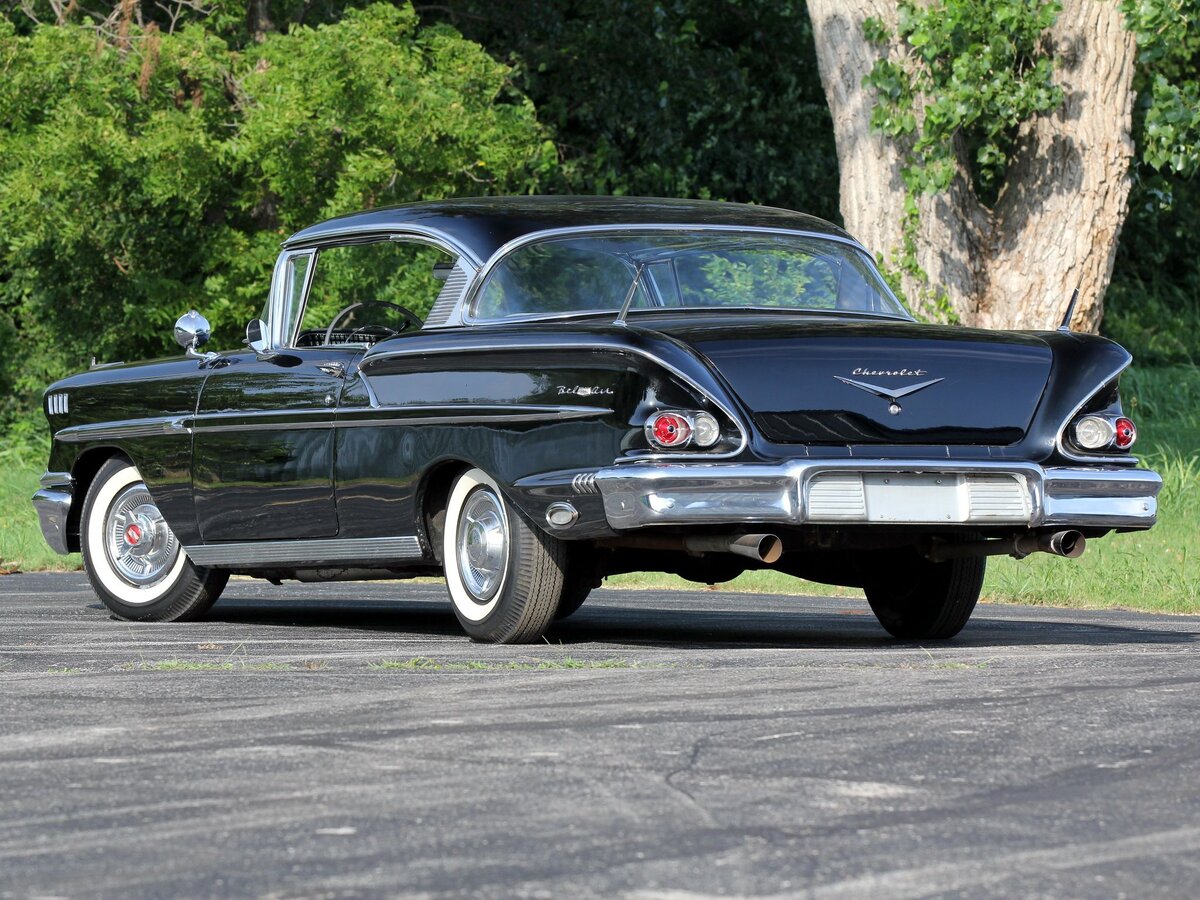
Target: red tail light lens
{"x": 1126, "y": 433}
{"x": 669, "y": 429}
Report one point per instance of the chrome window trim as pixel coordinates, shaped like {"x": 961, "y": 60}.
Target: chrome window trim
{"x": 357, "y": 234}
{"x": 743, "y": 435}
{"x": 277, "y": 299}
{"x": 466, "y": 314}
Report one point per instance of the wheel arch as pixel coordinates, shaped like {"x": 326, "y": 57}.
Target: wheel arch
{"x": 83, "y": 472}
{"x": 432, "y": 498}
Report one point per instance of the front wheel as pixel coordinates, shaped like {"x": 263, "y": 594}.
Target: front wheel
{"x": 133, "y": 559}
{"x": 916, "y": 599}
{"x": 504, "y": 575}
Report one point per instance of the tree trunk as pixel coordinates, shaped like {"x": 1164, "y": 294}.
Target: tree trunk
{"x": 1056, "y": 221}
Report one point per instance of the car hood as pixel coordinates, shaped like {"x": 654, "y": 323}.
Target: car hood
{"x": 825, "y": 381}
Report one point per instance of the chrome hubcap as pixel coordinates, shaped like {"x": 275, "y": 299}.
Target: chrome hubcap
{"x": 482, "y": 545}
{"x": 140, "y": 546}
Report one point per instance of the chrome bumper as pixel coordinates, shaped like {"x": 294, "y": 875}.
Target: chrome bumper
{"x": 53, "y": 505}
{"x": 859, "y": 491}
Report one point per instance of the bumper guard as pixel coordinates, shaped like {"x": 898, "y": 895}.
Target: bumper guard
{"x": 53, "y": 505}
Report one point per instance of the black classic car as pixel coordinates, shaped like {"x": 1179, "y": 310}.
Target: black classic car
{"x": 529, "y": 394}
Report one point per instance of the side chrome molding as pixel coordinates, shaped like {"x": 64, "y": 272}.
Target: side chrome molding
{"x": 306, "y": 552}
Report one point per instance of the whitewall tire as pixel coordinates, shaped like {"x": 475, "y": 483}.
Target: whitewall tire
{"x": 132, "y": 558}
{"x": 504, "y": 575}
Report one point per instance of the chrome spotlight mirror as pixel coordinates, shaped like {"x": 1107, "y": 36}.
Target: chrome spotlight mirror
{"x": 192, "y": 332}
{"x": 256, "y": 335}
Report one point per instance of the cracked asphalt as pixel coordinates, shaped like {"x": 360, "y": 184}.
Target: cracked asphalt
{"x": 345, "y": 740}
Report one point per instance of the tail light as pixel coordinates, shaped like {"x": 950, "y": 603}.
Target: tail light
{"x": 1097, "y": 432}
{"x": 672, "y": 430}
{"x": 1126, "y": 433}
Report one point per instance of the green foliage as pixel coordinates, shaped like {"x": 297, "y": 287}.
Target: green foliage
{"x": 674, "y": 98}
{"x": 1167, "y": 82}
{"x": 145, "y": 172}
{"x": 972, "y": 72}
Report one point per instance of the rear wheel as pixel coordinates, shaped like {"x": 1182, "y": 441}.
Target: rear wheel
{"x": 505, "y": 576}
{"x": 133, "y": 559}
{"x": 916, "y": 599}
{"x": 582, "y": 577}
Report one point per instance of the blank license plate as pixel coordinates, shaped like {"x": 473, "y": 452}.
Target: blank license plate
{"x": 914, "y": 498}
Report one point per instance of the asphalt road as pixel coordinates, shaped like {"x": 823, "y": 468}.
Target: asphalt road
{"x": 729, "y": 745}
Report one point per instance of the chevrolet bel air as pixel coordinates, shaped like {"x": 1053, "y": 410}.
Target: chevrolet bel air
{"x": 526, "y": 395}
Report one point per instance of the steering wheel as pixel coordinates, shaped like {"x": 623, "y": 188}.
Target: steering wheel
{"x": 410, "y": 319}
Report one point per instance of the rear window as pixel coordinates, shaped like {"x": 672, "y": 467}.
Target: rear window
{"x": 595, "y": 274}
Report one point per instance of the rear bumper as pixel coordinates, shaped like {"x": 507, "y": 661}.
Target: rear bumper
{"x": 883, "y": 492}
{"x": 53, "y": 505}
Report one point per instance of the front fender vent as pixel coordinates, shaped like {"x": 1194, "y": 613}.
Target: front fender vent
{"x": 58, "y": 404}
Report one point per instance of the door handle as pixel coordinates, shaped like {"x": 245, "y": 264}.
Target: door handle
{"x": 336, "y": 369}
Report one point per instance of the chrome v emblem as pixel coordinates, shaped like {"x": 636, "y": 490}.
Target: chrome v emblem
{"x": 892, "y": 394}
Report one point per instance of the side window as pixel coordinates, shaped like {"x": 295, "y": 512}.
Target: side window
{"x": 370, "y": 292}
{"x": 293, "y": 290}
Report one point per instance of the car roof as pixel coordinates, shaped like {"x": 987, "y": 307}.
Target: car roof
{"x": 482, "y": 225}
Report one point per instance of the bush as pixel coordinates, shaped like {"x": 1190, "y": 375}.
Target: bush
{"x": 146, "y": 173}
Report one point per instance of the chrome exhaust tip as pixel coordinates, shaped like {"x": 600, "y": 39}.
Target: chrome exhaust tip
{"x": 763, "y": 547}
{"x": 1070, "y": 544}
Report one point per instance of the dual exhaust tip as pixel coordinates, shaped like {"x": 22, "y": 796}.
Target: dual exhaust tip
{"x": 768, "y": 548}
{"x": 1069, "y": 544}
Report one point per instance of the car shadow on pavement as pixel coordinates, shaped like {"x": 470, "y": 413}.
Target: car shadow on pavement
{"x": 838, "y": 625}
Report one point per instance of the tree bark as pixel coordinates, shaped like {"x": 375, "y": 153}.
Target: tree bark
{"x": 1056, "y": 221}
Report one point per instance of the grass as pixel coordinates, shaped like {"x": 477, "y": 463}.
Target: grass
{"x": 22, "y": 547}
{"x": 187, "y": 665}
{"x": 426, "y": 664}
{"x": 1158, "y": 570}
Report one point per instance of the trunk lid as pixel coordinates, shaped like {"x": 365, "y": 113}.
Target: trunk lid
{"x": 824, "y": 381}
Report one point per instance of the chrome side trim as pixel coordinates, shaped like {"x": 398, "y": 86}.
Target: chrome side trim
{"x": 263, "y": 420}
{"x": 463, "y": 415}
{"x": 104, "y": 431}
{"x": 324, "y": 418}
{"x": 729, "y": 493}
{"x": 307, "y": 552}
{"x": 401, "y": 353}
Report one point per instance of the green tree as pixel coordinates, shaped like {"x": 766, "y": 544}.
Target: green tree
{"x": 146, "y": 171}
{"x": 999, "y": 147}
{"x": 677, "y": 98}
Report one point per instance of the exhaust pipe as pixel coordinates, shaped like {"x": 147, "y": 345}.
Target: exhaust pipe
{"x": 1069, "y": 544}
{"x": 766, "y": 548}
{"x": 762, "y": 547}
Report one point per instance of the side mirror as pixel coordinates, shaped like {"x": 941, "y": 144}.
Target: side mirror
{"x": 256, "y": 335}
{"x": 192, "y": 332}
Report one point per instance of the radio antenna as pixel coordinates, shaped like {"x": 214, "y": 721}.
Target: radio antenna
{"x": 1066, "y": 322}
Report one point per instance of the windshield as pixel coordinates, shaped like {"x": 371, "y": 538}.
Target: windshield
{"x": 697, "y": 270}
